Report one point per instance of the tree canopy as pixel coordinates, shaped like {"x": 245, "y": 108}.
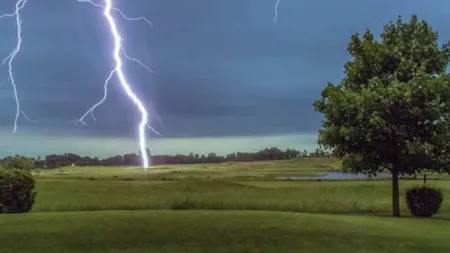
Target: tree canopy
{"x": 392, "y": 109}
{"x": 17, "y": 162}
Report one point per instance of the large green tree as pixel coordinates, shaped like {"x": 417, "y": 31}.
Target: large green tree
{"x": 391, "y": 111}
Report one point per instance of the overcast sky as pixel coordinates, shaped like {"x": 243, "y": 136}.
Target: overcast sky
{"x": 222, "y": 67}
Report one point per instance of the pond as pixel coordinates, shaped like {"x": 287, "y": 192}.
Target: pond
{"x": 337, "y": 176}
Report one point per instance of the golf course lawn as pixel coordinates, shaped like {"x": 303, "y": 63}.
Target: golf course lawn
{"x": 335, "y": 197}
{"x": 231, "y": 207}
{"x": 218, "y": 231}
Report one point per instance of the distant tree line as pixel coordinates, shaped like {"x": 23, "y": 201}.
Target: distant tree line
{"x": 134, "y": 159}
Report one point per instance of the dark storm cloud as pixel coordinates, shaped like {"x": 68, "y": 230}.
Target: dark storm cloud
{"x": 222, "y": 67}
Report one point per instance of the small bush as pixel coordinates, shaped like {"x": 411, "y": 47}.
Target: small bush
{"x": 16, "y": 191}
{"x": 424, "y": 201}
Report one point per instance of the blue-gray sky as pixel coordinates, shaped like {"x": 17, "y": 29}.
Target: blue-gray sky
{"x": 222, "y": 67}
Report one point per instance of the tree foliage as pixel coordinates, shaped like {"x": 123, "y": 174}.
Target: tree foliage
{"x": 17, "y": 192}
{"x": 391, "y": 111}
{"x": 133, "y": 159}
{"x": 18, "y": 162}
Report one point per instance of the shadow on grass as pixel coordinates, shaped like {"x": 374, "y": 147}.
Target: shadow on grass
{"x": 190, "y": 204}
{"x": 408, "y": 215}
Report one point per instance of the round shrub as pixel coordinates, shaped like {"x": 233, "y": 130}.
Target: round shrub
{"x": 424, "y": 201}
{"x": 16, "y": 191}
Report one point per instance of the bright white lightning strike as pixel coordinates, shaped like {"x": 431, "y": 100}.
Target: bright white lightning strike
{"x": 118, "y": 11}
{"x": 91, "y": 110}
{"x": 10, "y": 58}
{"x": 118, "y": 49}
{"x": 118, "y": 71}
{"x": 124, "y": 83}
{"x": 137, "y": 61}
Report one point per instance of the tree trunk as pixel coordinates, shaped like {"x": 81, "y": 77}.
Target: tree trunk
{"x": 395, "y": 194}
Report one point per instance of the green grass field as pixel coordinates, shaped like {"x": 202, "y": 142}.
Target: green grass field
{"x": 232, "y": 207}
{"x": 244, "y": 170}
{"x": 218, "y": 231}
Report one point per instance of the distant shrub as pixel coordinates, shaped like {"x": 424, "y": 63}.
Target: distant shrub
{"x": 16, "y": 191}
{"x": 424, "y": 201}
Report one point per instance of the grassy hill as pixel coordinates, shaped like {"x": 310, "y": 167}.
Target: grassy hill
{"x": 217, "y": 231}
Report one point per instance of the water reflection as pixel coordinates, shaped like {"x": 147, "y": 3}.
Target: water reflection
{"x": 338, "y": 176}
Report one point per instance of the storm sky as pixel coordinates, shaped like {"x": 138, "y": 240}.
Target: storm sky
{"x": 222, "y": 68}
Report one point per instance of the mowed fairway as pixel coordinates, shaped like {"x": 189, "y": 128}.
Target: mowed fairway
{"x": 233, "y": 207}
{"x": 217, "y": 231}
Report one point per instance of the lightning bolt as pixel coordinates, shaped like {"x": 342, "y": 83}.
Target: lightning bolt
{"x": 276, "y": 10}
{"x": 118, "y": 11}
{"x": 20, "y": 4}
{"x": 90, "y": 111}
{"x": 137, "y": 61}
{"x": 27, "y": 118}
{"x": 118, "y": 52}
